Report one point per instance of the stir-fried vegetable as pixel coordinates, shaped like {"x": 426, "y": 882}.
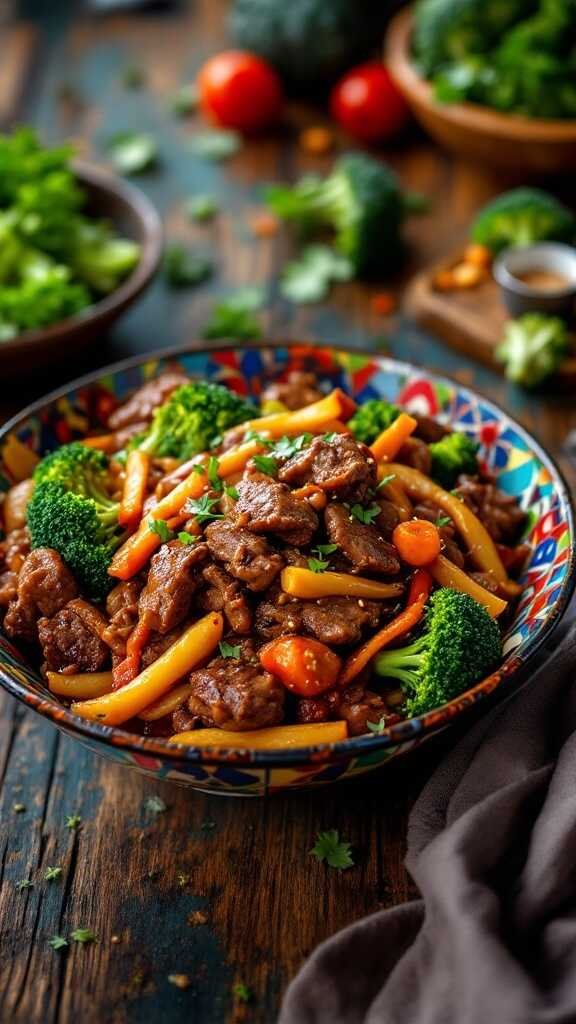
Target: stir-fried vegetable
{"x": 389, "y": 442}
{"x": 417, "y": 541}
{"x": 307, "y": 584}
{"x": 446, "y": 574}
{"x": 305, "y": 666}
{"x": 281, "y": 737}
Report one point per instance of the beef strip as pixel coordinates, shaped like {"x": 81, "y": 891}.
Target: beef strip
{"x": 224, "y": 594}
{"x": 183, "y": 721}
{"x": 498, "y": 511}
{"x": 172, "y": 580}
{"x": 157, "y": 645}
{"x": 266, "y": 506}
{"x": 355, "y": 705}
{"x": 275, "y": 616}
{"x": 122, "y": 608}
{"x": 246, "y": 557}
{"x": 14, "y": 549}
{"x": 8, "y": 587}
{"x": 45, "y": 585}
{"x": 236, "y": 694}
{"x": 416, "y": 453}
{"x": 342, "y": 467}
{"x": 360, "y": 542}
{"x": 69, "y": 644}
{"x": 339, "y": 620}
{"x": 299, "y": 389}
{"x": 141, "y": 406}
{"x": 429, "y": 430}
{"x": 388, "y": 519}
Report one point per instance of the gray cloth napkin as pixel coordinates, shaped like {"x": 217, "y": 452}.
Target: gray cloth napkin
{"x": 492, "y": 848}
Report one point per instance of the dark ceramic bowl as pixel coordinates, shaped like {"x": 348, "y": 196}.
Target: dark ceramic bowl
{"x": 134, "y": 217}
{"x": 523, "y": 469}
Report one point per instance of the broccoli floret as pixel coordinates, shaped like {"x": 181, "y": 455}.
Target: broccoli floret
{"x": 448, "y": 30}
{"x": 532, "y": 348}
{"x": 71, "y": 511}
{"x": 193, "y": 420}
{"x": 42, "y": 300}
{"x": 521, "y": 217}
{"x": 371, "y": 418}
{"x": 452, "y": 455}
{"x": 360, "y": 202}
{"x": 460, "y": 644}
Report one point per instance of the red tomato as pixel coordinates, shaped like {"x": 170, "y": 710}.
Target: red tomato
{"x": 306, "y": 667}
{"x": 241, "y": 91}
{"x": 368, "y": 104}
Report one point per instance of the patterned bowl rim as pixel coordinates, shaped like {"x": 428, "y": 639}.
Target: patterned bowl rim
{"x": 412, "y": 729}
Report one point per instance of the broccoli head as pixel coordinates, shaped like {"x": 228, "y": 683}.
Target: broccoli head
{"x": 449, "y": 30}
{"x": 532, "y": 348}
{"x": 193, "y": 420}
{"x": 371, "y": 418}
{"x": 521, "y": 217}
{"x": 454, "y": 454}
{"x": 360, "y": 202}
{"x": 71, "y": 511}
{"x": 460, "y": 644}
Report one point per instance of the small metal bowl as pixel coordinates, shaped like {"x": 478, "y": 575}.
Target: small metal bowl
{"x": 519, "y": 296}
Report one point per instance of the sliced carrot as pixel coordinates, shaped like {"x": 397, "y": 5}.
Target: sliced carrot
{"x": 383, "y": 303}
{"x": 479, "y": 255}
{"x": 316, "y": 140}
{"x": 417, "y": 541}
{"x": 403, "y": 622}
{"x": 167, "y": 704}
{"x": 134, "y": 490}
{"x": 306, "y": 584}
{"x": 390, "y": 441}
{"x": 312, "y": 418}
{"x": 279, "y": 737}
{"x": 102, "y": 442}
{"x": 449, "y": 575}
{"x": 420, "y": 586}
{"x": 128, "y": 669}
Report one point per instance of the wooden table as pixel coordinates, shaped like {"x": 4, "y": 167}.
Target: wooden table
{"x": 223, "y": 891}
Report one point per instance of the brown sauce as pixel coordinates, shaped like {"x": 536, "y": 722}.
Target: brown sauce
{"x": 543, "y": 280}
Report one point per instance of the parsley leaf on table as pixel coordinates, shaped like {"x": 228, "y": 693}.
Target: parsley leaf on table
{"x": 51, "y": 874}
{"x": 217, "y": 144}
{"x": 184, "y": 101}
{"x": 19, "y": 808}
{"x": 132, "y": 152}
{"x": 329, "y": 848}
{"x": 243, "y": 992}
{"x": 201, "y": 208}
{"x": 24, "y": 883}
{"x": 232, "y": 317}
{"x": 161, "y": 528}
{"x": 182, "y": 269}
{"x": 154, "y": 804}
{"x": 57, "y": 942}
{"x": 229, "y": 650}
{"x": 133, "y": 77}
{"x": 202, "y": 507}
{"x": 83, "y": 935}
{"x": 73, "y": 821}
{"x": 308, "y": 278}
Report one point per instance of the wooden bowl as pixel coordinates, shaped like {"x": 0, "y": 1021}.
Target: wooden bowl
{"x": 134, "y": 217}
{"x": 506, "y": 141}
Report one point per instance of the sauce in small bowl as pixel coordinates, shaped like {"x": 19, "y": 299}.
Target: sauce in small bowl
{"x": 540, "y": 277}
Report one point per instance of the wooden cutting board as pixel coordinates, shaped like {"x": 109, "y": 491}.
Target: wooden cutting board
{"x": 470, "y": 320}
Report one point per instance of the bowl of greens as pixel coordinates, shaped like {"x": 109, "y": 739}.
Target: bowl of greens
{"x": 77, "y": 246}
{"x": 495, "y": 83}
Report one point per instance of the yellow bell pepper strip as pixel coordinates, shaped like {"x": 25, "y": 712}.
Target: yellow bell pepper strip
{"x": 134, "y": 490}
{"x": 481, "y": 547}
{"x": 19, "y": 460}
{"x": 446, "y": 574}
{"x": 279, "y": 737}
{"x": 195, "y": 644}
{"x": 405, "y": 621}
{"x": 102, "y": 442}
{"x": 306, "y": 584}
{"x": 313, "y": 418}
{"x": 167, "y": 704}
{"x": 135, "y": 552}
{"x": 82, "y": 686}
{"x": 389, "y": 442}
{"x": 395, "y": 493}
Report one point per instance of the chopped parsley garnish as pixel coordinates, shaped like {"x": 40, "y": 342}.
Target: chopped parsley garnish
{"x": 184, "y": 101}
{"x": 199, "y": 469}
{"x": 230, "y": 650}
{"x": 57, "y": 942}
{"x": 188, "y": 538}
{"x": 330, "y": 437}
{"x": 154, "y": 804}
{"x": 213, "y": 466}
{"x": 231, "y": 492}
{"x": 83, "y": 935}
{"x": 160, "y": 527}
{"x": 216, "y": 144}
{"x": 365, "y": 515}
{"x": 73, "y": 821}
{"x": 132, "y": 152}
{"x": 443, "y": 521}
{"x": 24, "y": 883}
{"x": 377, "y": 727}
{"x": 253, "y": 435}
{"x": 19, "y": 808}
{"x": 288, "y": 446}
{"x": 308, "y": 278}
{"x": 317, "y": 563}
{"x": 51, "y": 874}
{"x": 202, "y": 508}
{"x": 201, "y": 208}
{"x": 243, "y": 992}
{"x": 183, "y": 269}
{"x": 326, "y": 549}
{"x": 386, "y": 480}
{"x": 182, "y": 879}
{"x": 266, "y": 464}
{"x": 329, "y": 848}
{"x": 233, "y": 316}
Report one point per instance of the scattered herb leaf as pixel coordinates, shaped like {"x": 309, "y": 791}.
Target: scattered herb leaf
{"x": 386, "y": 480}
{"x": 230, "y": 650}
{"x": 213, "y": 467}
{"x": 19, "y": 808}
{"x": 182, "y": 879}
{"x": 231, "y": 492}
{"x": 199, "y": 469}
{"x": 83, "y": 935}
{"x": 329, "y": 848}
{"x": 202, "y": 507}
{"x": 161, "y": 528}
{"x": 217, "y": 144}
{"x": 201, "y": 208}
{"x": 154, "y": 804}
{"x": 365, "y": 515}
{"x": 188, "y": 538}
{"x": 377, "y": 727}
{"x": 184, "y": 101}
{"x": 308, "y": 278}
{"x": 329, "y": 438}
{"x": 133, "y": 77}
{"x": 325, "y": 549}
{"x": 317, "y": 565}
{"x": 73, "y": 821}
{"x": 208, "y": 826}
{"x": 132, "y": 152}
{"x": 243, "y": 992}
{"x": 288, "y": 446}
{"x": 253, "y": 435}
{"x": 51, "y": 874}
{"x": 232, "y": 317}
{"x": 57, "y": 942}
{"x": 443, "y": 521}
{"x": 24, "y": 883}
{"x": 266, "y": 464}
{"x": 182, "y": 269}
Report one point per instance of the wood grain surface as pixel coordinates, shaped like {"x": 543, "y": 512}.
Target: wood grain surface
{"x": 220, "y": 890}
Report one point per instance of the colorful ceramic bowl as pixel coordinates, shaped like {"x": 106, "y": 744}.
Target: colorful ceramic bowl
{"x": 522, "y": 467}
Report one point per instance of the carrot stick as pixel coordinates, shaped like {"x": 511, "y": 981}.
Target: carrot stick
{"x": 195, "y": 644}
{"x": 395, "y": 493}
{"x": 449, "y": 575}
{"x": 80, "y": 686}
{"x": 137, "y": 465}
{"x": 389, "y": 442}
{"x": 103, "y": 442}
{"x": 313, "y": 418}
{"x": 139, "y": 548}
{"x": 307, "y": 584}
{"x": 167, "y": 704}
{"x": 279, "y": 737}
{"x": 128, "y": 669}
{"x": 420, "y": 586}
{"x": 403, "y": 622}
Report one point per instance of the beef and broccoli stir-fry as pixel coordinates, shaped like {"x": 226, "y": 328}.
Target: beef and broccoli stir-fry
{"x": 273, "y": 576}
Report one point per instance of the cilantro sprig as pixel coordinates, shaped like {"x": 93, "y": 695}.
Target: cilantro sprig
{"x": 202, "y": 507}
{"x": 161, "y": 529}
{"x": 266, "y": 464}
{"x": 365, "y": 515}
{"x": 330, "y": 848}
{"x": 317, "y": 563}
{"x": 229, "y": 650}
